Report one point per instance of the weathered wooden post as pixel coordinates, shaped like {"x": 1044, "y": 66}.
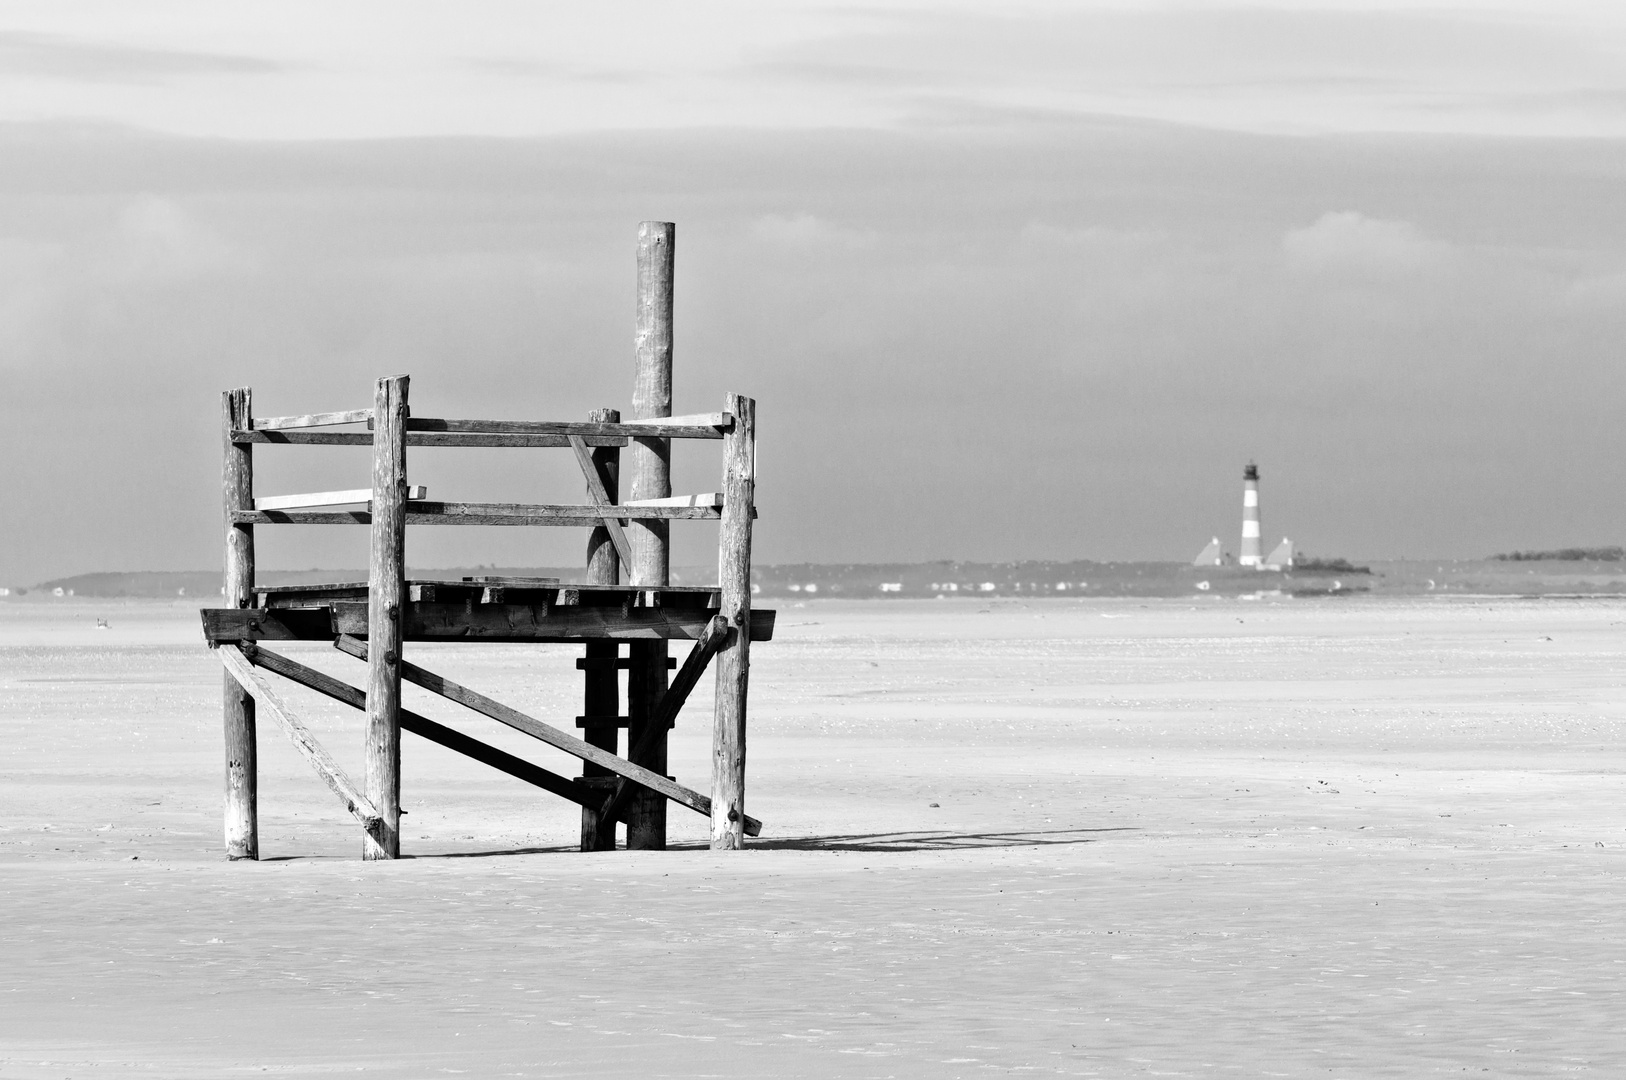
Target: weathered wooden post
{"x": 386, "y": 593}
{"x": 734, "y": 661}
{"x": 242, "y": 766}
{"x": 601, "y": 695}
{"x": 650, "y": 476}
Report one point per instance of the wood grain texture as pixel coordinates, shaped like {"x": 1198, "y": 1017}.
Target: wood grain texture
{"x": 425, "y": 512}
{"x": 416, "y": 438}
{"x": 664, "y": 428}
{"x": 223, "y": 626}
{"x": 713, "y": 499}
{"x": 602, "y": 499}
{"x": 328, "y": 498}
{"x": 719, "y": 420}
{"x": 311, "y": 420}
{"x": 386, "y": 600}
{"x": 649, "y": 465}
{"x": 601, "y": 689}
{"x": 535, "y": 728}
{"x": 237, "y": 665}
{"x": 486, "y": 622}
{"x": 242, "y": 828}
{"x": 426, "y": 728}
{"x": 734, "y": 661}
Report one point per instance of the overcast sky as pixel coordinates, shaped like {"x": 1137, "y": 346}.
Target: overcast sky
{"x": 1008, "y": 281}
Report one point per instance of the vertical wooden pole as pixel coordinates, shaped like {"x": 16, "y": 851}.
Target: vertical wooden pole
{"x": 650, "y": 475}
{"x": 601, "y": 694}
{"x": 386, "y": 594}
{"x": 242, "y": 765}
{"x": 734, "y": 660}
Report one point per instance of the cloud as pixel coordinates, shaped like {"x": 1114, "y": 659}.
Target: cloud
{"x": 56, "y": 57}
{"x": 802, "y": 230}
{"x": 155, "y": 242}
{"x": 1070, "y": 316}
{"x": 1348, "y": 241}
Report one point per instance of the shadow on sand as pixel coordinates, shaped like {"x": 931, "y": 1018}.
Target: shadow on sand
{"x": 855, "y": 842}
{"x": 932, "y": 841}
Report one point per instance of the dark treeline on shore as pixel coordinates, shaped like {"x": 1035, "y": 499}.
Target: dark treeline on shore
{"x": 1518, "y": 573}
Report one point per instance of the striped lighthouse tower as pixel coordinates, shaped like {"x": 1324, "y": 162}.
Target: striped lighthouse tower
{"x": 1250, "y": 555}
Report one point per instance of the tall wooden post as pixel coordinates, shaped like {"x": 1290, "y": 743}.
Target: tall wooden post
{"x": 601, "y": 694}
{"x": 734, "y": 660}
{"x": 242, "y": 765}
{"x": 386, "y": 594}
{"x": 650, "y": 476}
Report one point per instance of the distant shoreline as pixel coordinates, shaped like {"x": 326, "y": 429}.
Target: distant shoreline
{"x": 974, "y": 580}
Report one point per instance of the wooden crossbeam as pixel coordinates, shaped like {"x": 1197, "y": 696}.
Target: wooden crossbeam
{"x": 706, "y": 426}
{"x": 554, "y": 737}
{"x": 457, "y": 622}
{"x": 430, "y": 512}
{"x": 601, "y": 498}
{"x": 328, "y": 769}
{"x": 720, "y": 420}
{"x": 328, "y": 498}
{"x": 310, "y": 420}
{"x": 712, "y": 638}
{"x": 416, "y": 438}
{"x": 426, "y": 728}
{"x": 711, "y": 498}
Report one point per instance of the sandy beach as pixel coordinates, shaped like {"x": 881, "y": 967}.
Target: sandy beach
{"x": 1341, "y": 838}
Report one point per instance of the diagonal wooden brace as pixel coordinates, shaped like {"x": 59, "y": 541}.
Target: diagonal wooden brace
{"x": 712, "y": 638}
{"x": 328, "y": 769}
{"x": 422, "y": 726}
{"x": 547, "y": 733}
{"x": 601, "y": 499}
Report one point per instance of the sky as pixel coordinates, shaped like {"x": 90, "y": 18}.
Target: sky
{"x": 1007, "y": 281}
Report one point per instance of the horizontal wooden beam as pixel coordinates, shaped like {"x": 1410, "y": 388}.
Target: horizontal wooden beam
{"x": 231, "y": 625}
{"x": 310, "y": 420}
{"x": 534, "y": 623}
{"x": 663, "y": 427}
{"x": 720, "y": 420}
{"x": 423, "y": 727}
{"x": 328, "y": 769}
{"x": 416, "y": 438}
{"x": 542, "y": 623}
{"x": 328, "y": 498}
{"x": 322, "y": 587}
{"x": 426, "y": 512}
{"x": 554, "y": 737}
{"x": 712, "y": 499}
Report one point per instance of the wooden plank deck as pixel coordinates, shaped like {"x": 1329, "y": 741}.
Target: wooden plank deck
{"x": 507, "y": 622}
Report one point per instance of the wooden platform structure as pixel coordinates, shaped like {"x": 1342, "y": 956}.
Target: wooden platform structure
{"x": 625, "y": 599}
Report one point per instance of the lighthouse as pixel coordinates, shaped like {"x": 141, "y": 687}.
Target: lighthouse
{"x": 1249, "y": 554}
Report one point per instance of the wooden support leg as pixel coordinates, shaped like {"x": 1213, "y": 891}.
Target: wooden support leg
{"x": 601, "y": 695}
{"x": 650, "y": 476}
{"x": 734, "y": 661}
{"x": 237, "y": 713}
{"x": 386, "y": 596}
{"x": 661, "y": 716}
{"x": 646, "y": 686}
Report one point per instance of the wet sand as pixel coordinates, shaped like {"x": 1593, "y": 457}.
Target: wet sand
{"x": 1342, "y": 838}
